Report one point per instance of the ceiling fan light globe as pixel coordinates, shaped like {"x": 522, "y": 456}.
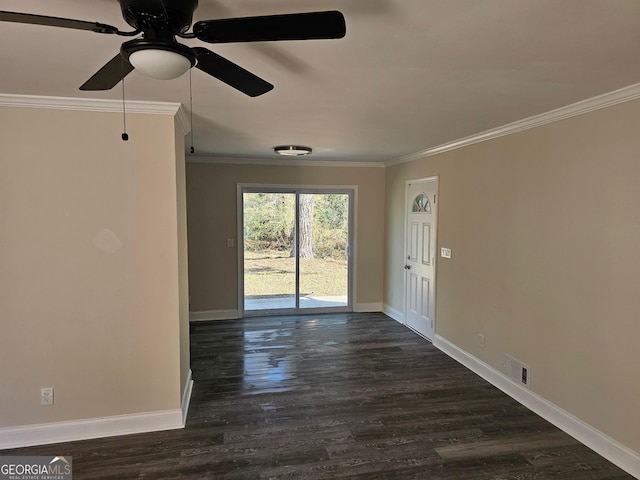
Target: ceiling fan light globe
{"x": 160, "y": 64}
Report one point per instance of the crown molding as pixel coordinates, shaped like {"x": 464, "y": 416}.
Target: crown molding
{"x": 281, "y": 161}
{"x": 183, "y": 121}
{"x": 99, "y": 105}
{"x": 609, "y": 99}
{"x": 93, "y": 105}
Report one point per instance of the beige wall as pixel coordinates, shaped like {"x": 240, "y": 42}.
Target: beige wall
{"x": 211, "y": 198}
{"x": 544, "y": 231}
{"x": 89, "y": 283}
{"x": 93, "y": 291}
{"x": 183, "y": 263}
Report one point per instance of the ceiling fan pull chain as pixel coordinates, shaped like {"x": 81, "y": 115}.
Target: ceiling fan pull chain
{"x": 125, "y": 135}
{"x": 192, "y": 150}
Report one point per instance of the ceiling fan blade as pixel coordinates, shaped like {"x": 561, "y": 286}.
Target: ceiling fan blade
{"x": 292, "y": 26}
{"x": 57, "y": 22}
{"x": 228, "y": 72}
{"x": 108, "y": 76}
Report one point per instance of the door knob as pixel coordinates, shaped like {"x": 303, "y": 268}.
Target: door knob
{"x": 407, "y": 267}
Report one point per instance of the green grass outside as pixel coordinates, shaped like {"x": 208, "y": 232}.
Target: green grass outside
{"x": 271, "y": 273}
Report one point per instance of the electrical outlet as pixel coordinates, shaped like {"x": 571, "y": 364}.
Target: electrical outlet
{"x": 230, "y": 242}
{"x": 481, "y": 340}
{"x": 46, "y": 396}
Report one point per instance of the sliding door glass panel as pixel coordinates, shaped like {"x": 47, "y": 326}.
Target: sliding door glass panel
{"x": 323, "y": 237}
{"x": 269, "y": 253}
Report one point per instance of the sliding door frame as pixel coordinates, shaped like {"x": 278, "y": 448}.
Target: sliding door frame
{"x": 351, "y": 190}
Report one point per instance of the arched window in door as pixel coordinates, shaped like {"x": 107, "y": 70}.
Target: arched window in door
{"x": 421, "y": 204}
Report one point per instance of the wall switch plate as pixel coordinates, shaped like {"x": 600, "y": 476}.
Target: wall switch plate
{"x": 445, "y": 252}
{"x": 481, "y": 340}
{"x": 230, "y": 242}
{"x": 46, "y": 396}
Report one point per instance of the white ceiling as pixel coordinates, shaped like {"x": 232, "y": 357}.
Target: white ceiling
{"x": 408, "y": 76}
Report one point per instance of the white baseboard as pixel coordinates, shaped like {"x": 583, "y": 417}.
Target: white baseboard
{"x": 397, "y": 315}
{"x": 368, "y": 307}
{"x": 46, "y": 433}
{"x": 71, "y": 431}
{"x": 612, "y": 450}
{"x": 213, "y": 315}
{"x": 186, "y": 398}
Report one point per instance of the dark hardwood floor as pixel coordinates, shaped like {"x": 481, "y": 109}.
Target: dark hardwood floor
{"x": 349, "y": 396}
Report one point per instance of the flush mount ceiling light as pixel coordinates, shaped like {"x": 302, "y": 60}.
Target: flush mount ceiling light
{"x": 292, "y": 150}
{"x": 158, "y": 59}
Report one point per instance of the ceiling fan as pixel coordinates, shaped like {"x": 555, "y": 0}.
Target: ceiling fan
{"x": 157, "y": 52}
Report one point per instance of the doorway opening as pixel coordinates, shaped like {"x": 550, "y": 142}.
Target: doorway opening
{"x": 296, "y": 249}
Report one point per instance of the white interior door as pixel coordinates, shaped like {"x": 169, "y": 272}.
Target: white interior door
{"x": 420, "y": 255}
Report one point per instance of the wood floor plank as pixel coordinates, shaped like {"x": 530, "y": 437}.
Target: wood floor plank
{"x": 344, "y": 396}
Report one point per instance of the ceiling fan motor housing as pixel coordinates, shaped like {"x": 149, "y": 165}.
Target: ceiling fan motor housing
{"x": 159, "y": 21}
{"x": 145, "y": 14}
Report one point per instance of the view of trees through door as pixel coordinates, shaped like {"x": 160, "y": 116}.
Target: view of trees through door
{"x": 295, "y": 253}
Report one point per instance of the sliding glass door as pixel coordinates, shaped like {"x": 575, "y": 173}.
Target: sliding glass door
{"x": 296, "y": 249}
{"x": 323, "y": 241}
{"x": 269, "y": 240}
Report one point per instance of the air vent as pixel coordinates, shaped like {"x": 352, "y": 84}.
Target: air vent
{"x": 517, "y": 371}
